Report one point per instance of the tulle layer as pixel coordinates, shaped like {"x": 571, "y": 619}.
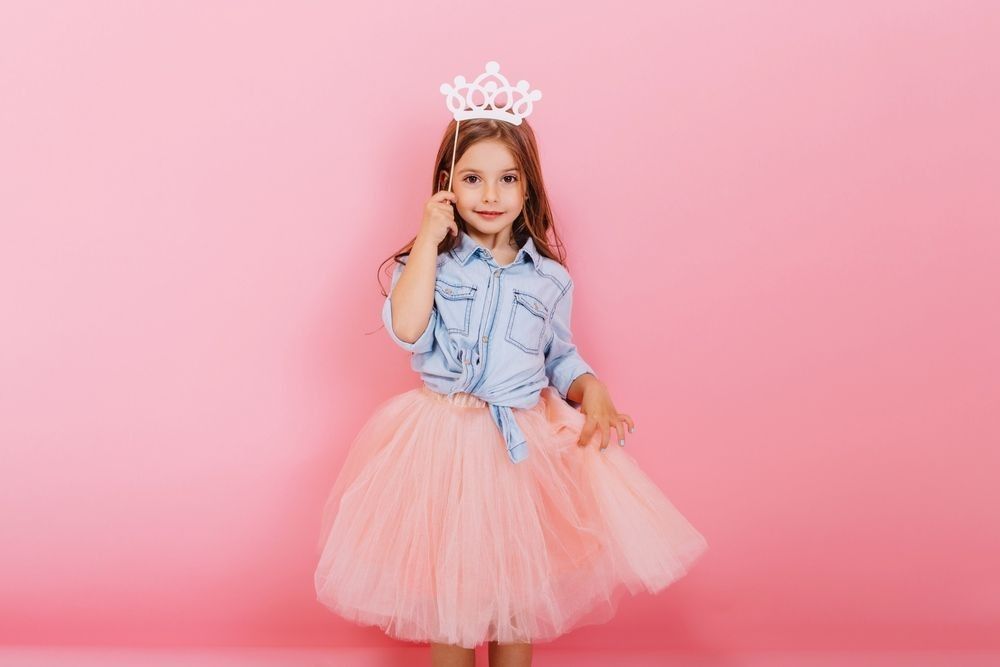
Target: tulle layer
{"x": 433, "y": 534}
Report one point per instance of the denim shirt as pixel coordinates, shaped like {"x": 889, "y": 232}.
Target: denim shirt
{"x": 501, "y": 333}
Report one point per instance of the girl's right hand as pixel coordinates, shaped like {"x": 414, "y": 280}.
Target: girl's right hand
{"x": 439, "y": 217}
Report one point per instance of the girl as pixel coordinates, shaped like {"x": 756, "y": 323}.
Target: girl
{"x": 483, "y": 506}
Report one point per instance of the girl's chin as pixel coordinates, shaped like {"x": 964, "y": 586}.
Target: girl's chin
{"x": 487, "y": 228}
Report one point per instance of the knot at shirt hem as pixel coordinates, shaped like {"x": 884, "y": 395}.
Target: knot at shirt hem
{"x": 516, "y": 443}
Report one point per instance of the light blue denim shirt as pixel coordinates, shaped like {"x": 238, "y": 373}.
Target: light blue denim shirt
{"x": 501, "y": 333}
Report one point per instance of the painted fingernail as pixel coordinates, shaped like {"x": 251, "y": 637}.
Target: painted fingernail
{"x": 631, "y": 429}
{"x": 621, "y": 442}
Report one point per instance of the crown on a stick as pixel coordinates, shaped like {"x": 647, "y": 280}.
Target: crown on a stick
{"x": 501, "y": 101}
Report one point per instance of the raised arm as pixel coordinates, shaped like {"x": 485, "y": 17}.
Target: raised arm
{"x": 408, "y": 311}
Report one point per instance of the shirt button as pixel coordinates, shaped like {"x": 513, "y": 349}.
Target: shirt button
{"x": 486, "y": 339}
{"x": 497, "y": 272}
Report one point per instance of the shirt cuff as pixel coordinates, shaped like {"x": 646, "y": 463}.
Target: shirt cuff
{"x": 568, "y": 371}
{"x": 422, "y": 344}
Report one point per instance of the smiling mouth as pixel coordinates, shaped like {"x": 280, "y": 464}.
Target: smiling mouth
{"x": 489, "y": 212}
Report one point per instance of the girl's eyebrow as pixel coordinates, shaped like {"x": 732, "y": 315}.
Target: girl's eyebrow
{"x": 476, "y": 171}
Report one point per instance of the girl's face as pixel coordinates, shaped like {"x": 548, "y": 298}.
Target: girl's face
{"x": 487, "y": 179}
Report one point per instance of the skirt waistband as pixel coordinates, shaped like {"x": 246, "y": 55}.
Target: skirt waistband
{"x": 459, "y": 398}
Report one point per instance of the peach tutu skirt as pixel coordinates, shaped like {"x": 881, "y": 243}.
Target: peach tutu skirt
{"x": 433, "y": 534}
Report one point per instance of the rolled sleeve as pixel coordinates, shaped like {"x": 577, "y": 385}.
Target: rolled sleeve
{"x": 425, "y": 342}
{"x": 563, "y": 362}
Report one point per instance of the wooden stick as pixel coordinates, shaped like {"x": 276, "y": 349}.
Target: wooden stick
{"x": 451, "y": 172}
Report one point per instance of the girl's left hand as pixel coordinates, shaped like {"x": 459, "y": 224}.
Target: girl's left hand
{"x": 601, "y": 414}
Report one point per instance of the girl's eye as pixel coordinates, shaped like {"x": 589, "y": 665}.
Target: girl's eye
{"x": 512, "y": 176}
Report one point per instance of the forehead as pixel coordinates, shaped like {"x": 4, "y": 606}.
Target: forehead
{"x": 488, "y": 155}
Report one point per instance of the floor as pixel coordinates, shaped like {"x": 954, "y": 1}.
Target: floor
{"x": 404, "y": 655}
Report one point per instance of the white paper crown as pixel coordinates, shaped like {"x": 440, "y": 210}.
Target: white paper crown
{"x": 460, "y": 97}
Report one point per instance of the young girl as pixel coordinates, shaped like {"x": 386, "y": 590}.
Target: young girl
{"x": 483, "y": 506}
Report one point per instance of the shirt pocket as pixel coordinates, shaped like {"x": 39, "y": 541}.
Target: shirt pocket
{"x": 527, "y": 324}
{"x": 454, "y": 304}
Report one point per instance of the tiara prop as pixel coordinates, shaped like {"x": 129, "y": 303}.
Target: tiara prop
{"x": 461, "y": 100}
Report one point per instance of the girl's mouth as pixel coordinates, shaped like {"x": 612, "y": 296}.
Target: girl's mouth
{"x": 488, "y": 214}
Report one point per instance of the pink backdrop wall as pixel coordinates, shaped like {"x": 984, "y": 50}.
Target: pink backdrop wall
{"x": 782, "y": 219}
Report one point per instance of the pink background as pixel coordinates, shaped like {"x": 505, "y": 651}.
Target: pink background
{"x": 782, "y": 219}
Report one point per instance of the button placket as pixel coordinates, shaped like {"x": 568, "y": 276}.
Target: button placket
{"x": 493, "y": 298}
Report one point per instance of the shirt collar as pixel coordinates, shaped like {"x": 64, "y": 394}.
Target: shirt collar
{"x": 467, "y": 247}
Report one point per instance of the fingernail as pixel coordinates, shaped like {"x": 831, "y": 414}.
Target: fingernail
{"x": 621, "y": 442}
{"x": 631, "y": 429}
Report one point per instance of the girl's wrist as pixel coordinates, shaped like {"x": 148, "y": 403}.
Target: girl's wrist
{"x": 422, "y": 244}
{"x": 588, "y": 380}
{"x": 578, "y": 388}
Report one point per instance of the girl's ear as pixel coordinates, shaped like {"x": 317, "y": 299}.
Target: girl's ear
{"x": 443, "y": 179}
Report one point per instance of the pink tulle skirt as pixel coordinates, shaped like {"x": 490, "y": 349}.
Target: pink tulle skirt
{"x": 433, "y": 534}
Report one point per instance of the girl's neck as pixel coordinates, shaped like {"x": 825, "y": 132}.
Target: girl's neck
{"x": 500, "y": 242}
